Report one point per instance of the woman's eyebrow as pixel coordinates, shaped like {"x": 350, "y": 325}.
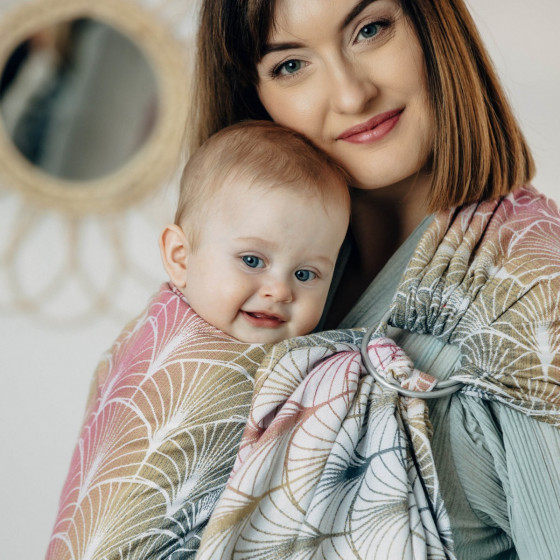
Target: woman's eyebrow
{"x": 356, "y": 10}
{"x": 275, "y": 47}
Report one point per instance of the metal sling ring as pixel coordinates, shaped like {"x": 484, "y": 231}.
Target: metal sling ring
{"x": 442, "y": 389}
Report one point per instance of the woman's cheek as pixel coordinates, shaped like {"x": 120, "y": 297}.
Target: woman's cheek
{"x": 294, "y": 107}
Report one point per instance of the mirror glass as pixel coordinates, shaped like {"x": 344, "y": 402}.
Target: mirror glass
{"x": 78, "y": 99}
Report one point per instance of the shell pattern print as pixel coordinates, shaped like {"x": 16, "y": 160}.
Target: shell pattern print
{"x": 487, "y": 279}
{"x": 326, "y": 468}
{"x": 165, "y": 415}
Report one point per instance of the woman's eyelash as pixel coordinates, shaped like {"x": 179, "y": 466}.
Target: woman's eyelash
{"x": 276, "y": 70}
{"x": 382, "y": 24}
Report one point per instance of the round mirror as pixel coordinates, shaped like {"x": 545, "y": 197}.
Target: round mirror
{"x": 78, "y": 99}
{"x": 93, "y": 101}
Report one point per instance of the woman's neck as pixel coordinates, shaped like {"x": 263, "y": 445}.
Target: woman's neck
{"x": 381, "y": 221}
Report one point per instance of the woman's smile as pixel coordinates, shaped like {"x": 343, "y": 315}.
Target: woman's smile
{"x": 372, "y": 130}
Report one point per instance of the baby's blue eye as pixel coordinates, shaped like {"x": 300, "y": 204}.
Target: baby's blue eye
{"x": 368, "y": 31}
{"x": 252, "y": 261}
{"x": 305, "y": 275}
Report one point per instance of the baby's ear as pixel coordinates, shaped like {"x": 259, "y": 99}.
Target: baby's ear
{"x": 174, "y": 249}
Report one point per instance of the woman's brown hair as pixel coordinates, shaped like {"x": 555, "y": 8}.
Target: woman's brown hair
{"x": 479, "y": 151}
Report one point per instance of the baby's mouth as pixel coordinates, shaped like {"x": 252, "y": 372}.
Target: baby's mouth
{"x": 263, "y": 320}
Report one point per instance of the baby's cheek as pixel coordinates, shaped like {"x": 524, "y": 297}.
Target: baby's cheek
{"x": 235, "y": 291}
{"x": 309, "y": 318}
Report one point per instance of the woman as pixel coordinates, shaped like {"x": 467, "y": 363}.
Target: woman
{"x": 449, "y": 142}
{"x": 403, "y": 95}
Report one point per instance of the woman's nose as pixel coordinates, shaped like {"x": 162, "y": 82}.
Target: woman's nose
{"x": 278, "y": 291}
{"x": 350, "y": 87}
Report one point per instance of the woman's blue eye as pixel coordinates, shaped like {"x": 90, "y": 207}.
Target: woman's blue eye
{"x": 305, "y": 275}
{"x": 368, "y": 31}
{"x": 289, "y": 67}
{"x": 253, "y": 262}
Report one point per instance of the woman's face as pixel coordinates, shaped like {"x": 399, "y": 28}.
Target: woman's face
{"x": 349, "y": 75}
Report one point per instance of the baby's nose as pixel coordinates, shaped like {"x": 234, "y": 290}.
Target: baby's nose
{"x": 278, "y": 290}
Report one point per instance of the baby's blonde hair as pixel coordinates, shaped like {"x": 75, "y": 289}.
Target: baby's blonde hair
{"x": 258, "y": 154}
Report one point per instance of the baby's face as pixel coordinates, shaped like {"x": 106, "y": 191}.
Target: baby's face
{"x": 264, "y": 262}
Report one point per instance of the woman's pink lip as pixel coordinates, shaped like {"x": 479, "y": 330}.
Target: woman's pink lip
{"x": 263, "y": 320}
{"x": 373, "y": 129}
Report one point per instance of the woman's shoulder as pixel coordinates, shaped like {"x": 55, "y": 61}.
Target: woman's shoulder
{"x": 527, "y": 203}
{"x": 492, "y": 244}
{"x": 523, "y": 240}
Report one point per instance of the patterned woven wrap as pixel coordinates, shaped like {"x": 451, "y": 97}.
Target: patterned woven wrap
{"x": 330, "y": 465}
{"x": 164, "y": 419}
{"x": 487, "y": 279}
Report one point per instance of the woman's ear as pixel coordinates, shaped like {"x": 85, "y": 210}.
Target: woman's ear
{"x": 174, "y": 249}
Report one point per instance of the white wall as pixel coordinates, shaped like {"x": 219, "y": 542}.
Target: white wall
{"x": 45, "y": 372}
{"x": 522, "y": 38}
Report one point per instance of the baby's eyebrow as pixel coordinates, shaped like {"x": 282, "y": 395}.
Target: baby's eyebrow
{"x": 258, "y": 240}
{"x": 325, "y": 260}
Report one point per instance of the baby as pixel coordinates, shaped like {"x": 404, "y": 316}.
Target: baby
{"x": 261, "y": 217}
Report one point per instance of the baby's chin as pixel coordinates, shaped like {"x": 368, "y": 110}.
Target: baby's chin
{"x": 268, "y": 336}
{"x": 259, "y": 328}
{"x": 262, "y": 339}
